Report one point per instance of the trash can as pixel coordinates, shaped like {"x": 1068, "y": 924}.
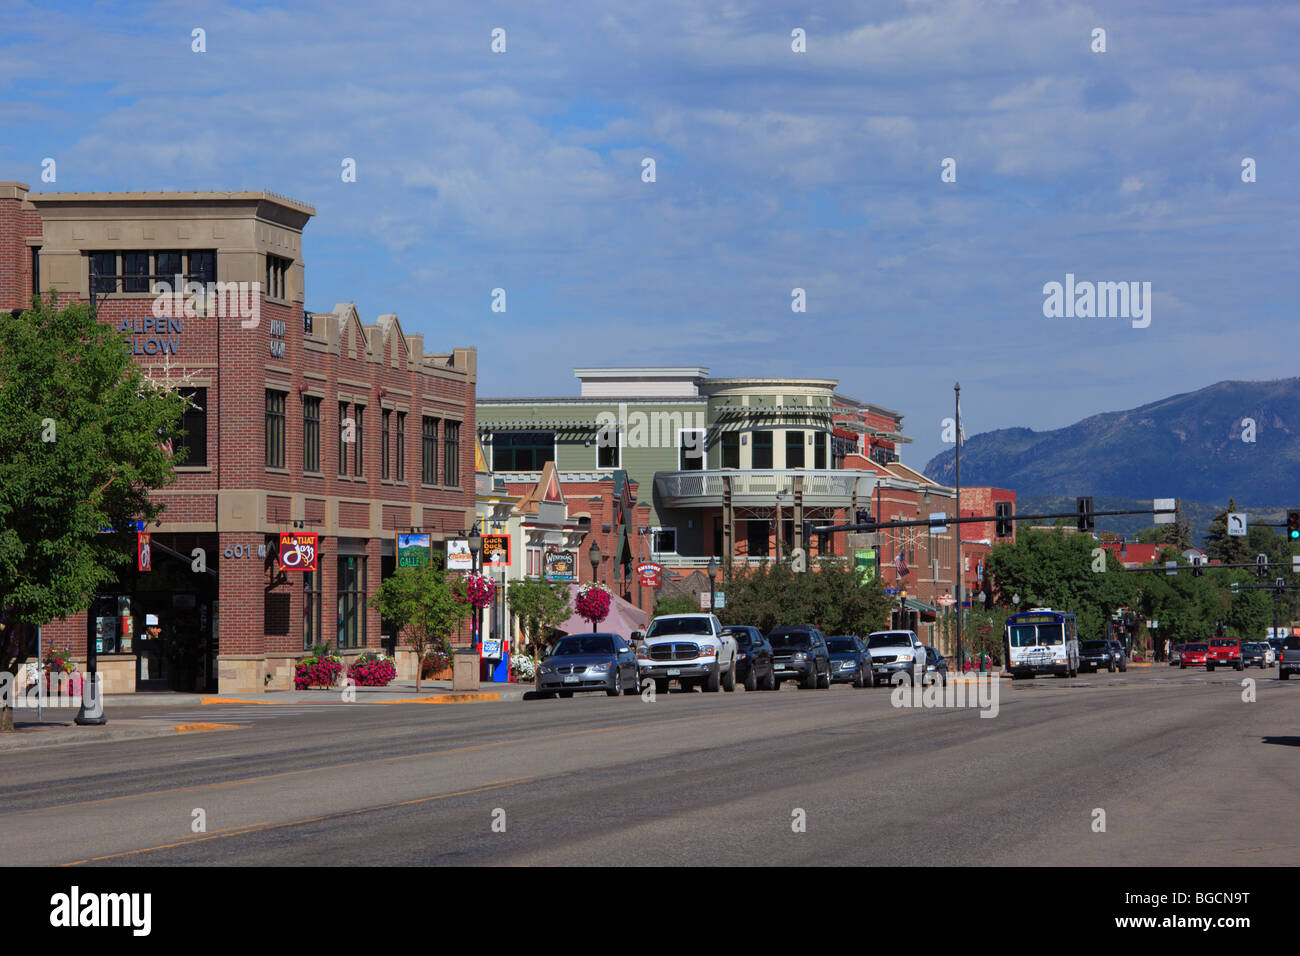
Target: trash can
{"x": 464, "y": 671}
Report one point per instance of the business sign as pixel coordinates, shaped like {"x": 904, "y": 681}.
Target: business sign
{"x": 458, "y": 556}
{"x": 652, "y": 575}
{"x": 298, "y": 550}
{"x": 496, "y": 550}
{"x": 414, "y": 550}
{"x": 559, "y": 566}
{"x": 864, "y": 561}
{"x": 142, "y": 557}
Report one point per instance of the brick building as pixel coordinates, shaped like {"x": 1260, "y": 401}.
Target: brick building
{"x": 302, "y": 421}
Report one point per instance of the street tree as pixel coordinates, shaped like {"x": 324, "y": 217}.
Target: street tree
{"x": 426, "y": 604}
{"x": 831, "y": 596}
{"x": 81, "y": 433}
{"x": 541, "y": 607}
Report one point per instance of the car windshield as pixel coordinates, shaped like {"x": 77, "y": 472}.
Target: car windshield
{"x": 1223, "y": 643}
{"x": 889, "y": 640}
{"x": 1027, "y": 635}
{"x": 793, "y": 639}
{"x": 841, "y": 645}
{"x": 1196, "y": 647}
{"x": 1093, "y": 646}
{"x": 589, "y": 644}
{"x": 665, "y": 626}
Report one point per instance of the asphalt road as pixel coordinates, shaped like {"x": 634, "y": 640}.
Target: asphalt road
{"x": 1185, "y": 770}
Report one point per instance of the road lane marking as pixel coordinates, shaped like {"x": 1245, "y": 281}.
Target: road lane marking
{"x": 199, "y": 728}
{"x": 263, "y": 827}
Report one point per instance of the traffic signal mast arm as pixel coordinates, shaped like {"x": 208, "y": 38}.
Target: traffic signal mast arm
{"x": 866, "y": 527}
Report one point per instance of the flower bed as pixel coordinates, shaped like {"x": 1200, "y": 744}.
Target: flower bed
{"x": 372, "y": 670}
{"x": 323, "y": 671}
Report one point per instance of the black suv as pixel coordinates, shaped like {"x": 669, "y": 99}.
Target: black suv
{"x": 850, "y": 661}
{"x": 1094, "y": 655}
{"x": 754, "y": 666}
{"x": 800, "y": 653}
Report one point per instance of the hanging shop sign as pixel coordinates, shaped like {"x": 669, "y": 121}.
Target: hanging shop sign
{"x": 414, "y": 550}
{"x": 298, "y": 551}
{"x": 652, "y": 575}
{"x": 143, "y": 559}
{"x": 496, "y": 550}
{"x": 559, "y": 566}
{"x": 458, "y": 555}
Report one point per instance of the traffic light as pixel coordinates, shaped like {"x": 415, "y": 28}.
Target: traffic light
{"x": 1196, "y": 565}
{"x": 1261, "y": 565}
{"x": 1293, "y": 524}
{"x": 1085, "y": 514}
{"x": 865, "y": 518}
{"x": 1003, "y": 511}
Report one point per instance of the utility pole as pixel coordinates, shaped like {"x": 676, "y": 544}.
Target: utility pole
{"x": 961, "y": 578}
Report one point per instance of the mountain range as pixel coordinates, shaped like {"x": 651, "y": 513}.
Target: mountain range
{"x": 1229, "y": 440}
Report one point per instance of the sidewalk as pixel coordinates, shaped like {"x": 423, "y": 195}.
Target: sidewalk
{"x": 29, "y": 734}
{"x": 399, "y": 691}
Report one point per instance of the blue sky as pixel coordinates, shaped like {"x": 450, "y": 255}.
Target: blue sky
{"x": 775, "y": 170}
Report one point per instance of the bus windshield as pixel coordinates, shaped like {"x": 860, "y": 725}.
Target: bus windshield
{"x": 1029, "y": 635}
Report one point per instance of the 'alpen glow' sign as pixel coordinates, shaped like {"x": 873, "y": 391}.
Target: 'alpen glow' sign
{"x": 157, "y": 331}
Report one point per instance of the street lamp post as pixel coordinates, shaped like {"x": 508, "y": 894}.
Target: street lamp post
{"x": 475, "y": 550}
{"x": 902, "y": 609}
{"x": 982, "y": 598}
{"x": 713, "y": 570}
{"x": 594, "y": 557}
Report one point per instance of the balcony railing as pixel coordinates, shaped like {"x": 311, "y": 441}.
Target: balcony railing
{"x": 697, "y": 489}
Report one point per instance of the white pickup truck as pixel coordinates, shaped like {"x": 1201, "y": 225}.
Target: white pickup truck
{"x": 691, "y": 648}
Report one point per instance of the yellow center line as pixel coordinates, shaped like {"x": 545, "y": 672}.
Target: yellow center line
{"x": 263, "y": 827}
{"x": 359, "y": 763}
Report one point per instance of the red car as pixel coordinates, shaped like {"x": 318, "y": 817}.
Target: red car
{"x": 1194, "y": 654}
{"x": 1225, "y": 651}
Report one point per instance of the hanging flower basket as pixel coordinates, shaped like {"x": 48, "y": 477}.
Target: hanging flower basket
{"x": 480, "y": 590}
{"x": 592, "y": 603}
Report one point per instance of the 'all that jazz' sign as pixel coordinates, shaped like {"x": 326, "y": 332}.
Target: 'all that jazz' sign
{"x": 297, "y": 551}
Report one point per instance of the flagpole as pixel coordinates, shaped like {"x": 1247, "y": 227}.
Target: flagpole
{"x": 961, "y": 578}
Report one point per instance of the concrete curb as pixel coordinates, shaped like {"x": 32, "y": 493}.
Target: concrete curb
{"x": 67, "y": 735}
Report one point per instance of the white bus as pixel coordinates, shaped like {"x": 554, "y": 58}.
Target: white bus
{"x": 1042, "y": 641}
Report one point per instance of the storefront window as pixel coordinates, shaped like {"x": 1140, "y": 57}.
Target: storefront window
{"x": 311, "y": 609}
{"x": 352, "y": 600}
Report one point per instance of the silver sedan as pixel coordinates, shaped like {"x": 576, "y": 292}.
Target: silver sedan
{"x": 588, "y": 662}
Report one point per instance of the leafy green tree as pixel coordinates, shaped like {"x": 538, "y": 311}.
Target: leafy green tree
{"x": 1056, "y": 569}
{"x": 677, "y": 605}
{"x": 80, "y": 427}
{"x": 425, "y": 604}
{"x": 831, "y": 597}
{"x": 541, "y": 607}
{"x": 1178, "y": 533}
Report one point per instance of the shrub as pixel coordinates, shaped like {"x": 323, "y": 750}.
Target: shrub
{"x": 523, "y": 666}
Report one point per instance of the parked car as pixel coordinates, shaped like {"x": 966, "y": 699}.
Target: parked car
{"x": 936, "y": 666}
{"x": 850, "y": 661}
{"x": 1270, "y": 653}
{"x": 1094, "y": 655}
{"x": 1288, "y": 660}
{"x": 588, "y": 662}
{"x": 1225, "y": 651}
{"x": 1193, "y": 655}
{"x": 799, "y": 653}
{"x": 1176, "y": 655}
{"x": 1119, "y": 655}
{"x": 754, "y": 667}
{"x": 1276, "y": 643}
{"x": 691, "y": 648}
{"x": 1253, "y": 653}
{"x": 895, "y": 653}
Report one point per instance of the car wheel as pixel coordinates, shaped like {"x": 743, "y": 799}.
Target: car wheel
{"x": 860, "y": 680}
{"x": 1182, "y": 666}
{"x": 566, "y": 694}
{"x": 617, "y": 690}
{"x": 1240, "y": 666}
{"x": 770, "y": 682}
{"x": 870, "y": 680}
{"x": 635, "y": 687}
{"x": 751, "y": 679}
{"x": 1111, "y": 667}
{"x": 1283, "y": 675}
{"x": 1209, "y": 668}
{"x": 661, "y": 685}
{"x": 729, "y": 681}
{"x": 713, "y": 681}
{"x": 809, "y": 682}
{"x": 824, "y": 682}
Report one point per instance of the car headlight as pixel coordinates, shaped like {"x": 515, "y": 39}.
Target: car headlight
{"x": 546, "y": 669}
{"x": 708, "y": 651}
{"x": 643, "y": 653}
{"x": 800, "y": 656}
{"x": 600, "y": 668}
